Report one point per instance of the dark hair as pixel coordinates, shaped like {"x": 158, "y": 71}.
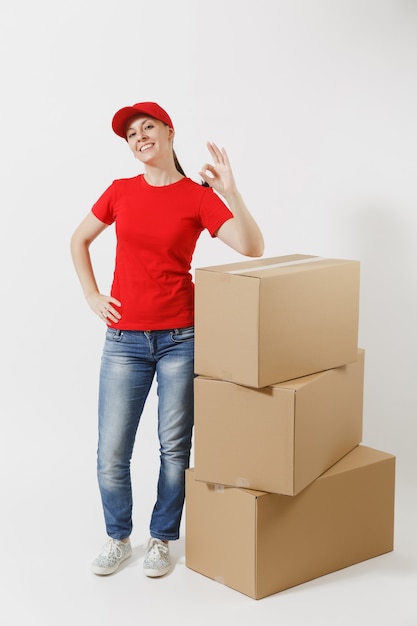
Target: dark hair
{"x": 178, "y": 164}
{"x": 181, "y": 171}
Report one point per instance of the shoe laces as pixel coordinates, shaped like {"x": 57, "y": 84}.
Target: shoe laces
{"x": 111, "y": 548}
{"x": 157, "y": 546}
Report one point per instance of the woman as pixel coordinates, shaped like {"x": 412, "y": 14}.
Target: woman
{"x": 158, "y": 217}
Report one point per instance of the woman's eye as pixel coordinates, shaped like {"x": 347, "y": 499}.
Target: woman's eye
{"x": 148, "y": 126}
{"x": 130, "y": 135}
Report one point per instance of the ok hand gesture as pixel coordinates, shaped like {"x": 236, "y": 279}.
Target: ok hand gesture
{"x": 219, "y": 176}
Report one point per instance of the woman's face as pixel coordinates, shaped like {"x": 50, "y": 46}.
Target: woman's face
{"x": 149, "y": 139}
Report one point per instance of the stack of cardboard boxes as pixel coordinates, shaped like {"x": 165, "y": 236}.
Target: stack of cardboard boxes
{"x": 282, "y": 491}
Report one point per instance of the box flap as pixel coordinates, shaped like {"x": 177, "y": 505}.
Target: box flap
{"x": 264, "y": 267}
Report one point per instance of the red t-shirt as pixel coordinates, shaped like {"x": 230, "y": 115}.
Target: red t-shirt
{"x": 157, "y": 229}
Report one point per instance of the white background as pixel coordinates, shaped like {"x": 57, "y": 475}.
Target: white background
{"x": 316, "y": 103}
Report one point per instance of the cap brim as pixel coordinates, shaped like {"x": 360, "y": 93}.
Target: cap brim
{"x": 121, "y": 119}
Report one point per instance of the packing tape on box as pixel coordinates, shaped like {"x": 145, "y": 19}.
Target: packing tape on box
{"x": 273, "y": 265}
{"x": 240, "y": 482}
{"x": 219, "y": 579}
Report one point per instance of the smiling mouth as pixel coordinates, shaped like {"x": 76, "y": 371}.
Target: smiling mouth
{"x": 146, "y": 147}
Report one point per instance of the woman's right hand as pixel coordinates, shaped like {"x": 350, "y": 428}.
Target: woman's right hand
{"x": 102, "y": 306}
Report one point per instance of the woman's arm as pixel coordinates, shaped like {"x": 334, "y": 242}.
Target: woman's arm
{"x": 240, "y": 232}
{"x": 89, "y": 229}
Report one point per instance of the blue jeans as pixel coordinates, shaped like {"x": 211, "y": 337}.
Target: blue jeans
{"x": 129, "y": 363}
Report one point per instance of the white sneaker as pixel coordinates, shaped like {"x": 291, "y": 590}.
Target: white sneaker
{"x": 114, "y": 552}
{"x": 156, "y": 561}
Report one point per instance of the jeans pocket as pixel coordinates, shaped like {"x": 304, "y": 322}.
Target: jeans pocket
{"x": 113, "y": 334}
{"x": 180, "y": 335}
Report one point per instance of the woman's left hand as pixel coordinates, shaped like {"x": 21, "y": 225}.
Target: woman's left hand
{"x": 219, "y": 176}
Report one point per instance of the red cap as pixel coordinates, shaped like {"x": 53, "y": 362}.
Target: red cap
{"x": 152, "y": 109}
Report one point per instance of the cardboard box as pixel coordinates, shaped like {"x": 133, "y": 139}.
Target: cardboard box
{"x": 260, "y": 543}
{"x": 265, "y": 321}
{"x": 279, "y": 438}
